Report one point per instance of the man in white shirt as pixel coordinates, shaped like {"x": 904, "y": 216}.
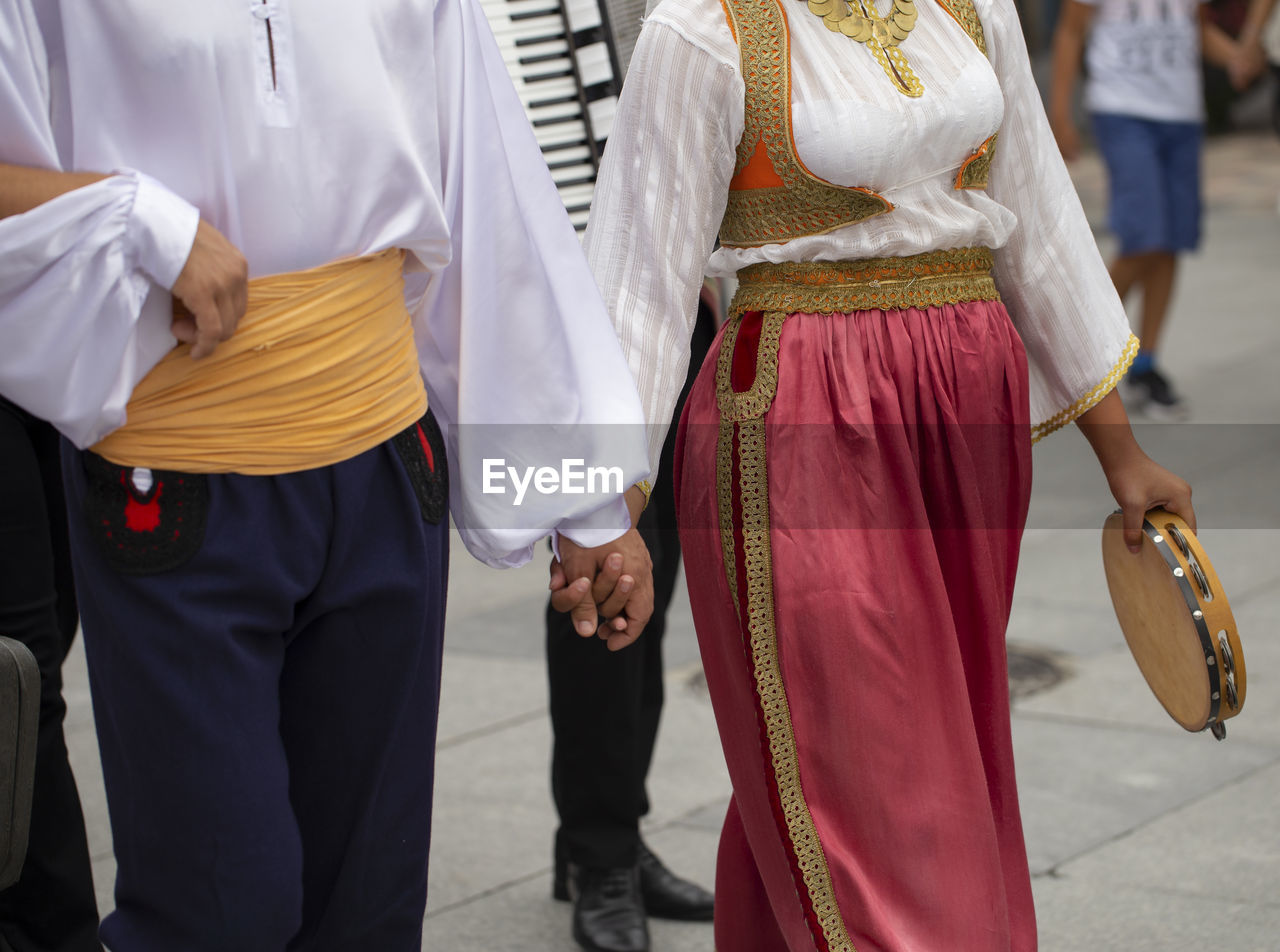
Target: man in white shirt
{"x": 341, "y": 213}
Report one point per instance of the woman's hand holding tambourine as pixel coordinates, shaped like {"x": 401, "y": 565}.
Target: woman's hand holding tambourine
{"x": 1137, "y": 481}
{"x": 1169, "y": 601}
{"x": 1140, "y": 484}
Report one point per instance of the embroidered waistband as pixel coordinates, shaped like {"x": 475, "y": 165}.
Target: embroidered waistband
{"x": 835, "y": 287}
{"x": 321, "y": 368}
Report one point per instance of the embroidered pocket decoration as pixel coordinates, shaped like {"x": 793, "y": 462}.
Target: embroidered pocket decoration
{"x": 976, "y": 170}
{"x": 421, "y": 449}
{"x": 144, "y": 521}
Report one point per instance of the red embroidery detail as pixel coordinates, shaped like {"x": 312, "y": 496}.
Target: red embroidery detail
{"x": 426, "y": 448}
{"x": 143, "y": 516}
{"x": 745, "y": 351}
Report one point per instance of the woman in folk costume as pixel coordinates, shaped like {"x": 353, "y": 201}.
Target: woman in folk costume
{"x": 916, "y": 305}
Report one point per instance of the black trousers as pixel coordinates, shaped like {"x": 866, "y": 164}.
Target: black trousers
{"x": 52, "y": 907}
{"x": 605, "y": 705}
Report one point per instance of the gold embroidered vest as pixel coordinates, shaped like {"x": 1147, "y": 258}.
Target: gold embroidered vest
{"x": 773, "y": 198}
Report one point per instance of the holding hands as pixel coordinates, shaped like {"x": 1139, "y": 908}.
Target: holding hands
{"x": 613, "y": 581}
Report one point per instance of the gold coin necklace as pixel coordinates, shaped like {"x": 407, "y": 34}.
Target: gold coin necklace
{"x": 859, "y": 20}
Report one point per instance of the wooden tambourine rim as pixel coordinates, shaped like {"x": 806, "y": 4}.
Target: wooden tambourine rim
{"x": 1180, "y": 571}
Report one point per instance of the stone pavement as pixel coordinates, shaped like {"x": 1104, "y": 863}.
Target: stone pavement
{"x": 1141, "y": 837}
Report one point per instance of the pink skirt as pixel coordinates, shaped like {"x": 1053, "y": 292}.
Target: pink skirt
{"x": 852, "y": 492}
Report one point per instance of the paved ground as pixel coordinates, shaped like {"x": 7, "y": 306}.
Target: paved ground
{"x": 1141, "y": 836}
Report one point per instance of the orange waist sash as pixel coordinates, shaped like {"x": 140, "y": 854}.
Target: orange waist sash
{"x": 321, "y": 368}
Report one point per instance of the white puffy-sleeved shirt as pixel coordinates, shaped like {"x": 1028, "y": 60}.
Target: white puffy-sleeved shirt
{"x": 307, "y": 132}
{"x": 666, "y": 172}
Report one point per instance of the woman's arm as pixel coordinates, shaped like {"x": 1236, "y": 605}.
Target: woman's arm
{"x": 660, "y": 198}
{"x": 1137, "y": 482}
{"x": 658, "y": 203}
{"x": 1050, "y": 274}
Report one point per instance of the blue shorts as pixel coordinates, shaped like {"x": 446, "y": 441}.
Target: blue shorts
{"x": 1154, "y": 173}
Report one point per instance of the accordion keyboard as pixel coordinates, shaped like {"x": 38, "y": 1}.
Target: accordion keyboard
{"x": 566, "y": 64}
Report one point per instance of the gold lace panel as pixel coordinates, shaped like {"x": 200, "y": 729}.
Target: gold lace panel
{"x": 976, "y": 171}
{"x": 964, "y": 13}
{"x": 803, "y": 204}
{"x": 747, "y": 427}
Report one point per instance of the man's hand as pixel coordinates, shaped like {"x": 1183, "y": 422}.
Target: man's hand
{"x": 212, "y": 292}
{"x": 592, "y": 583}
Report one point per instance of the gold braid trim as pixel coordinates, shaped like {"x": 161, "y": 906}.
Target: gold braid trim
{"x": 755, "y": 402}
{"x": 976, "y": 170}
{"x": 964, "y": 13}
{"x": 1091, "y": 399}
{"x": 753, "y": 489}
{"x": 724, "y": 458}
{"x": 724, "y": 495}
{"x": 804, "y": 204}
{"x": 828, "y": 287}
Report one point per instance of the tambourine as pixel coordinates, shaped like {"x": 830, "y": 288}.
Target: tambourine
{"x": 1177, "y": 621}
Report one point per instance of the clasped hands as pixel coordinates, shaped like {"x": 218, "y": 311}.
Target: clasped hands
{"x": 608, "y": 589}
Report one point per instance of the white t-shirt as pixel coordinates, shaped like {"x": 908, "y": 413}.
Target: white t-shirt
{"x": 1143, "y": 59}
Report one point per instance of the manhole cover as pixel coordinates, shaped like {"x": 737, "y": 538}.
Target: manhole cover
{"x": 697, "y": 683}
{"x": 1032, "y": 670}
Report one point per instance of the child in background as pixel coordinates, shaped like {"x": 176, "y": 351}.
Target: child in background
{"x": 1145, "y": 95}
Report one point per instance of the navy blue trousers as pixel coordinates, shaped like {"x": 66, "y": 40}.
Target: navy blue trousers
{"x": 264, "y": 657}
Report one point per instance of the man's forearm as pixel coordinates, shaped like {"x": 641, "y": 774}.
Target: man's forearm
{"x": 22, "y": 188}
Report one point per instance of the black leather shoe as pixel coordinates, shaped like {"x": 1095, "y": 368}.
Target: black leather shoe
{"x": 667, "y": 896}
{"x": 608, "y": 915}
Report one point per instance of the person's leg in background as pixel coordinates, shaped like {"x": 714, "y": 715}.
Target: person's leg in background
{"x": 52, "y": 906}
{"x": 605, "y": 709}
{"x": 1153, "y": 186}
